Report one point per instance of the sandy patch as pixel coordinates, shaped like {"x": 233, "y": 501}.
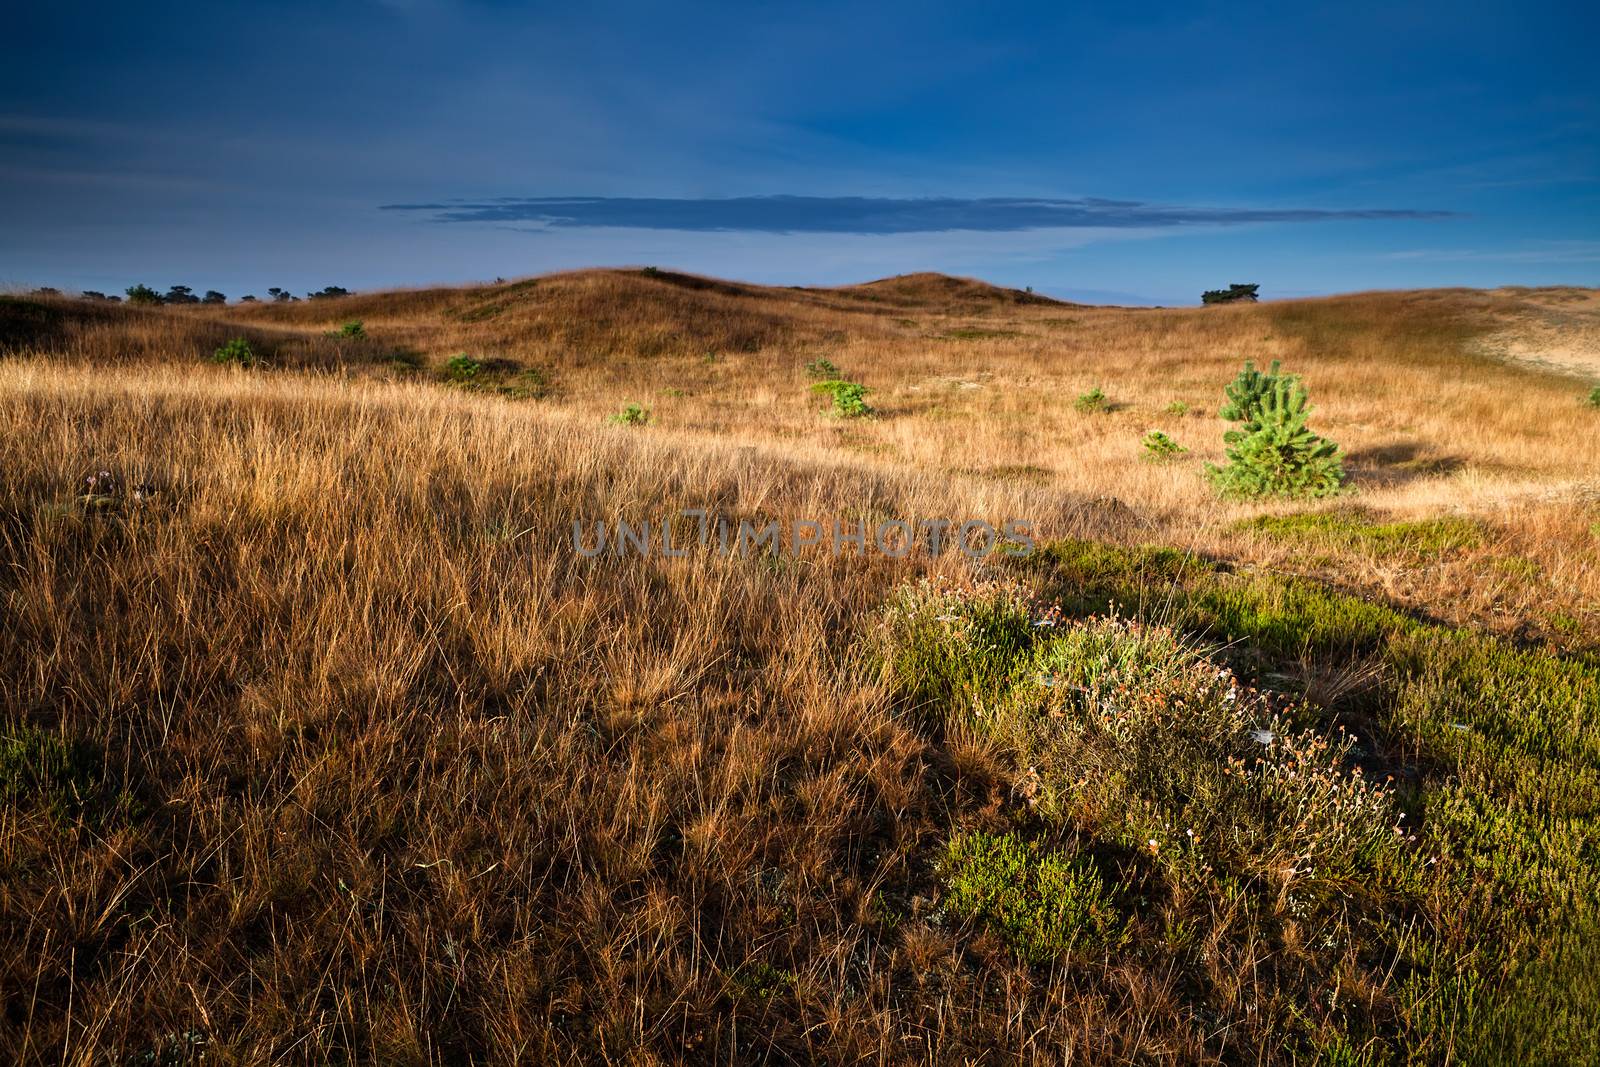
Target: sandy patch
{"x": 1556, "y": 329}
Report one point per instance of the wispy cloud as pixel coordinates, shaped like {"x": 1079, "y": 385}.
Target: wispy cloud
{"x": 870, "y": 215}
{"x": 1544, "y": 252}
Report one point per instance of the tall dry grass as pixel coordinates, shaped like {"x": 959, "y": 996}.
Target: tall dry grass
{"x": 977, "y": 385}
{"x": 397, "y": 775}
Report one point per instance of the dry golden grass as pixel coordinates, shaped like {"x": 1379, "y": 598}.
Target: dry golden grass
{"x": 977, "y": 384}
{"x": 397, "y": 776}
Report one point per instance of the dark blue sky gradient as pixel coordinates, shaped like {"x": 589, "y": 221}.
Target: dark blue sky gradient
{"x": 1085, "y": 151}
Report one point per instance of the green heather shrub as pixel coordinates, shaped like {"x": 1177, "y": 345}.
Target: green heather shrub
{"x": 631, "y": 415}
{"x": 1158, "y": 446}
{"x": 760, "y": 980}
{"x": 1500, "y": 745}
{"x": 350, "y": 331}
{"x": 1137, "y": 734}
{"x": 1273, "y": 453}
{"x": 1178, "y": 407}
{"x": 822, "y": 370}
{"x": 976, "y": 333}
{"x": 849, "y": 398}
{"x": 1594, "y": 397}
{"x": 1043, "y": 904}
{"x": 1200, "y": 770}
{"x": 1093, "y": 401}
{"x": 461, "y": 368}
{"x": 237, "y": 352}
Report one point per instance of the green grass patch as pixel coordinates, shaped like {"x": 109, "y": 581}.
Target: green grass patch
{"x": 1353, "y": 529}
{"x": 977, "y": 333}
{"x": 40, "y": 770}
{"x": 481, "y": 313}
{"x": 497, "y": 377}
{"x": 1043, "y": 904}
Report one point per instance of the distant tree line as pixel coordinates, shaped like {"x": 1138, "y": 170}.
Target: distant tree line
{"x": 145, "y": 296}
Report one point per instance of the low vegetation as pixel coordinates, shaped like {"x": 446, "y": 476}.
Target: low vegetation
{"x": 1092, "y": 402}
{"x": 847, "y": 400}
{"x": 236, "y": 351}
{"x": 1159, "y": 447}
{"x": 632, "y": 414}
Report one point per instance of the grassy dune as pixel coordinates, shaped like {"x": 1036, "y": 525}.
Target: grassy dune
{"x": 319, "y": 742}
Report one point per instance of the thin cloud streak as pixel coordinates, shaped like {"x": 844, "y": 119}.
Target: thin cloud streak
{"x": 870, "y": 215}
{"x": 1549, "y": 252}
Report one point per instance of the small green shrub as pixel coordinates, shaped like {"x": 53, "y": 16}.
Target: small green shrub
{"x": 1158, "y": 446}
{"x": 849, "y": 398}
{"x": 631, "y": 415}
{"x": 822, "y": 370}
{"x": 1594, "y": 397}
{"x": 1094, "y": 400}
{"x": 142, "y": 296}
{"x": 1178, "y": 408}
{"x": 350, "y": 331}
{"x": 236, "y": 352}
{"x": 462, "y": 368}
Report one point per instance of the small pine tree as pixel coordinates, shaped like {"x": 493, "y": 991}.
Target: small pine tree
{"x": 631, "y": 415}
{"x": 1273, "y": 453}
{"x": 1159, "y": 447}
{"x": 849, "y": 398}
{"x": 1092, "y": 401}
{"x": 1244, "y": 393}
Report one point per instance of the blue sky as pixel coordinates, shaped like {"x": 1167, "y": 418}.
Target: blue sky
{"x": 1098, "y": 152}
